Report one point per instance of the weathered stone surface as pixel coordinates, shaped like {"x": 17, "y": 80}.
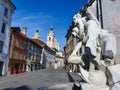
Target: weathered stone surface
{"x": 84, "y": 75}
{"x": 86, "y": 86}
{"x": 97, "y": 78}
{"x": 108, "y": 54}
{"x": 94, "y": 77}
{"x": 115, "y": 87}
{"x": 113, "y": 74}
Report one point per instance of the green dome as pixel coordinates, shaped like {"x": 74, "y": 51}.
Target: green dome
{"x": 51, "y": 32}
{"x": 37, "y": 34}
{"x": 51, "y": 28}
{"x": 56, "y": 43}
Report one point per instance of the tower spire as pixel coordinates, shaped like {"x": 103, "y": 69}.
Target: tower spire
{"x": 37, "y": 34}
{"x": 51, "y": 38}
{"x": 51, "y": 28}
{"x": 51, "y": 32}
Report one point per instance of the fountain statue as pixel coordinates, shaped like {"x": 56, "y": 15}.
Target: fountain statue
{"x": 99, "y": 47}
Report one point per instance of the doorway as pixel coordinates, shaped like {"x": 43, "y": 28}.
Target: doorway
{"x": 1, "y": 67}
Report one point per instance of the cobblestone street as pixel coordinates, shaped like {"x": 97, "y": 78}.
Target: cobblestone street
{"x": 33, "y": 80}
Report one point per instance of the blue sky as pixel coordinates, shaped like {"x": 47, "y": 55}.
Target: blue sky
{"x": 42, "y": 14}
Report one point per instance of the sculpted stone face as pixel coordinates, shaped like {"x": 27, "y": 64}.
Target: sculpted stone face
{"x": 94, "y": 78}
{"x": 78, "y": 21}
{"x": 76, "y": 17}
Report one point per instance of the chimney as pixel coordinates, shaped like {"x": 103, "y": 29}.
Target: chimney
{"x": 24, "y": 30}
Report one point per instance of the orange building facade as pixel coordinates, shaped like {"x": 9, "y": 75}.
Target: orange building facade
{"x": 18, "y": 51}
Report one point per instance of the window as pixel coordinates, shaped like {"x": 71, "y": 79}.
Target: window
{"x": 21, "y": 43}
{"x": 15, "y": 41}
{"x": 6, "y": 12}
{"x": 24, "y": 45}
{"x": 14, "y": 54}
{"x": 49, "y": 38}
{"x": 30, "y": 47}
{"x": 19, "y": 55}
{"x": 33, "y": 57}
{"x": 29, "y": 56}
{"x": 3, "y": 28}
{"x": 22, "y": 55}
{"x": 1, "y": 46}
{"x": 34, "y": 49}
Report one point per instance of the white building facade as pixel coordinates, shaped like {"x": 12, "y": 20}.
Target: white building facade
{"x": 6, "y": 11}
{"x": 34, "y": 53}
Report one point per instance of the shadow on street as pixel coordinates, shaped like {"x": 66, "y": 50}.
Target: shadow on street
{"x": 19, "y": 88}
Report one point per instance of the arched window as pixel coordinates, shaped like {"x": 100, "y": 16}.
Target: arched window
{"x": 1, "y": 46}
{"x": 6, "y": 12}
{"x": 49, "y": 38}
{"x": 3, "y": 28}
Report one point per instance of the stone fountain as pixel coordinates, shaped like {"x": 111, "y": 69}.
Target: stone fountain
{"x": 99, "y": 49}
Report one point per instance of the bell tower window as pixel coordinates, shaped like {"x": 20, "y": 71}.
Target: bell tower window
{"x": 49, "y": 38}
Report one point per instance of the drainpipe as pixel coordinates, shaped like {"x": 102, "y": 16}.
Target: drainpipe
{"x": 101, "y": 14}
{"x": 97, "y": 9}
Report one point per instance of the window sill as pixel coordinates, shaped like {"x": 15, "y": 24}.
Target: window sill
{"x": 3, "y": 55}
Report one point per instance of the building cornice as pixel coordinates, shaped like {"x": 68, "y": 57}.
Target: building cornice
{"x": 10, "y": 3}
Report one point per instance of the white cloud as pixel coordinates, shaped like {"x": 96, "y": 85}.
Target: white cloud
{"x": 27, "y": 18}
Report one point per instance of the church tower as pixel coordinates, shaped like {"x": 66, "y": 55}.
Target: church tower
{"x": 37, "y": 34}
{"x": 51, "y": 38}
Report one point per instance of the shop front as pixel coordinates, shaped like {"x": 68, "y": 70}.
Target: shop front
{"x": 17, "y": 66}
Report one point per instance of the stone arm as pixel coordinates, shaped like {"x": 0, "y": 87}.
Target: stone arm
{"x": 77, "y": 48}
